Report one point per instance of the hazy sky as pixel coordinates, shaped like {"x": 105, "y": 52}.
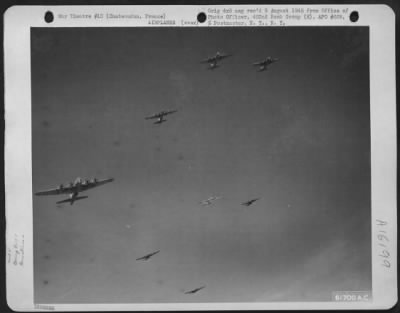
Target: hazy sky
{"x": 297, "y": 136}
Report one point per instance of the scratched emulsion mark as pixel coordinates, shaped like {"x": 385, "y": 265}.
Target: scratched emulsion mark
{"x": 383, "y": 242}
{"x": 16, "y": 253}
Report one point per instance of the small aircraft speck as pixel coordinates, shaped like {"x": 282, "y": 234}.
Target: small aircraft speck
{"x": 250, "y": 202}
{"x": 213, "y": 61}
{"x": 195, "y": 290}
{"x": 160, "y": 116}
{"x": 73, "y": 189}
{"x": 263, "y": 65}
{"x": 147, "y": 256}
{"x": 210, "y": 200}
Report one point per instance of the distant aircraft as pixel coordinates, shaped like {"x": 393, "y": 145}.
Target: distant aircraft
{"x": 195, "y": 290}
{"x": 250, "y": 202}
{"x": 147, "y": 256}
{"x": 160, "y": 116}
{"x": 213, "y": 61}
{"x": 263, "y": 65}
{"x": 73, "y": 189}
{"x": 210, "y": 200}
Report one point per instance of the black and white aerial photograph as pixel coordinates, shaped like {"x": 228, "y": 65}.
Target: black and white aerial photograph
{"x": 200, "y": 164}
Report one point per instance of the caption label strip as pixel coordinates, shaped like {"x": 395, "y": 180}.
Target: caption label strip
{"x": 230, "y": 16}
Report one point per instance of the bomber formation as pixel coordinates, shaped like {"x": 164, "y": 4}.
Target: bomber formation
{"x": 79, "y": 185}
{"x": 213, "y": 62}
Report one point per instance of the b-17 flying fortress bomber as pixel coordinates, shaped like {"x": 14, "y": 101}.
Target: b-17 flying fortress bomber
{"x": 194, "y": 290}
{"x": 213, "y": 61}
{"x": 73, "y": 189}
{"x": 147, "y": 256}
{"x": 263, "y": 65}
{"x": 250, "y": 202}
{"x": 160, "y": 116}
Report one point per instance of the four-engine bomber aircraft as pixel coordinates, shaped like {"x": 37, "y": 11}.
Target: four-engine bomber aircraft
{"x": 194, "y": 290}
{"x": 213, "y": 61}
{"x": 263, "y": 65}
{"x": 147, "y": 256}
{"x": 250, "y": 202}
{"x": 160, "y": 116}
{"x": 73, "y": 189}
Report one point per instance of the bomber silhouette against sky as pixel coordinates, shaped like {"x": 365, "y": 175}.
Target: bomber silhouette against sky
{"x": 295, "y": 136}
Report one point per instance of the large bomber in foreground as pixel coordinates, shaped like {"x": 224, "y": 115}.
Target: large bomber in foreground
{"x": 73, "y": 189}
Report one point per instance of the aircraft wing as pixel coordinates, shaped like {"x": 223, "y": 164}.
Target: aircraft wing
{"x": 96, "y": 183}
{"x": 170, "y": 112}
{"x": 55, "y": 191}
{"x": 258, "y": 63}
{"x": 208, "y": 60}
{"x": 223, "y": 56}
{"x": 151, "y": 117}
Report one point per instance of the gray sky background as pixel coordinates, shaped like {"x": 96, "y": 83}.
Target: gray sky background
{"x": 296, "y": 135}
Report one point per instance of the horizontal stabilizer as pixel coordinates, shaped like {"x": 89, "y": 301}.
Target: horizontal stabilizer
{"x": 72, "y": 200}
